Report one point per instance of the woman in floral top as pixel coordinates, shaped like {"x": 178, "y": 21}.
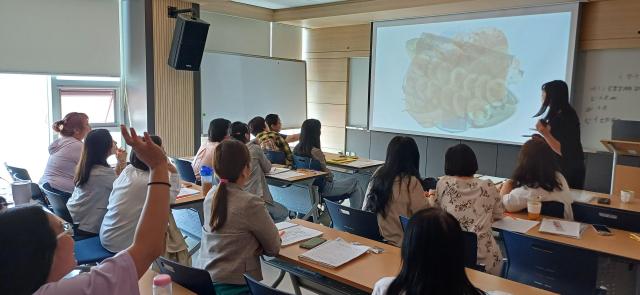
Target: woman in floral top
{"x": 474, "y": 202}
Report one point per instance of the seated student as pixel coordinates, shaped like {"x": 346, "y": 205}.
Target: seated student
{"x": 64, "y": 152}
{"x": 270, "y": 140}
{"x": 237, "y": 228}
{"x": 94, "y": 180}
{"x": 126, "y": 202}
{"x": 537, "y": 175}
{"x": 395, "y": 188}
{"x": 476, "y": 203}
{"x": 432, "y": 258}
{"x": 257, "y": 183}
{"x": 275, "y": 124}
{"x": 36, "y": 248}
{"x": 218, "y": 131}
{"x": 309, "y": 146}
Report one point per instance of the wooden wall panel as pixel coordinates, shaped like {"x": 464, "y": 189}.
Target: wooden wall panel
{"x": 610, "y": 24}
{"x": 348, "y": 38}
{"x": 334, "y": 115}
{"x": 627, "y": 178}
{"x": 174, "y": 92}
{"x": 327, "y": 69}
{"x": 332, "y": 138}
{"x": 327, "y": 92}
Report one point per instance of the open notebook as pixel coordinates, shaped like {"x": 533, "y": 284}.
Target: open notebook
{"x": 333, "y": 253}
{"x": 562, "y": 227}
{"x": 294, "y": 233}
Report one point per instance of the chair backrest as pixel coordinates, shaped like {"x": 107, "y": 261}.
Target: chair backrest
{"x": 357, "y": 222}
{"x": 17, "y": 173}
{"x": 551, "y": 266}
{"x": 276, "y": 157}
{"x": 188, "y": 221}
{"x": 58, "y": 201}
{"x": 185, "y": 170}
{"x": 196, "y": 280}
{"x": 470, "y": 246}
{"x": 553, "y": 209}
{"x": 612, "y": 217}
{"x": 258, "y": 288}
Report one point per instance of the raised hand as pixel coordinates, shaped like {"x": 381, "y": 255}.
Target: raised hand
{"x": 146, "y": 150}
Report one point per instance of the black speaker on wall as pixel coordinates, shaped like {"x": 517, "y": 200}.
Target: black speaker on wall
{"x": 189, "y": 38}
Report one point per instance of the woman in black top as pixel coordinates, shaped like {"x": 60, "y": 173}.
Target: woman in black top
{"x": 560, "y": 128}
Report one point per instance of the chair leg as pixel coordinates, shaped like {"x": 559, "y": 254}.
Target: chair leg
{"x": 295, "y": 284}
{"x": 278, "y": 279}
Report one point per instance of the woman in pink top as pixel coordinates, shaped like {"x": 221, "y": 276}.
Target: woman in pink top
{"x": 218, "y": 131}
{"x": 36, "y": 248}
{"x": 64, "y": 152}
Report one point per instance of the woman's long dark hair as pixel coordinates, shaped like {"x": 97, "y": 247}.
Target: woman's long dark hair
{"x": 218, "y": 129}
{"x": 403, "y": 160}
{"x": 309, "y": 137}
{"x": 95, "y": 151}
{"x": 136, "y": 162}
{"x": 432, "y": 257}
{"x": 537, "y": 166}
{"x": 239, "y": 131}
{"x": 557, "y": 99}
{"x": 229, "y": 160}
{"x": 27, "y": 247}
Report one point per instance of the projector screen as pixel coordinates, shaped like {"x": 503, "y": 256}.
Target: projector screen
{"x": 473, "y": 76}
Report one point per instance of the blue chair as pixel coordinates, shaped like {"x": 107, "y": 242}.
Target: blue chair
{"x": 551, "y": 266}
{"x": 612, "y": 217}
{"x": 276, "y": 157}
{"x": 188, "y": 221}
{"x": 357, "y": 222}
{"x": 58, "y": 201}
{"x": 470, "y": 245}
{"x": 185, "y": 170}
{"x": 301, "y": 162}
{"x": 258, "y": 288}
{"x": 553, "y": 209}
{"x": 196, "y": 280}
{"x": 90, "y": 251}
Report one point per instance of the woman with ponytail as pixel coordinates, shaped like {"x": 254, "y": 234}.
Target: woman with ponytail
{"x": 237, "y": 227}
{"x": 64, "y": 152}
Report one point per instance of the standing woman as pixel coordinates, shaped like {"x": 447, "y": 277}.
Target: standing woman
{"x": 560, "y": 128}
{"x": 64, "y": 152}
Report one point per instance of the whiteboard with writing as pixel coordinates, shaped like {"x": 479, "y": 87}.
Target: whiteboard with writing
{"x": 607, "y": 87}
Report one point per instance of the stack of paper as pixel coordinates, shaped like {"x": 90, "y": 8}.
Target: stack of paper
{"x": 562, "y": 227}
{"x": 513, "y": 224}
{"x": 284, "y": 225}
{"x": 276, "y": 170}
{"x": 333, "y": 253}
{"x": 341, "y": 160}
{"x": 296, "y": 233}
{"x": 185, "y": 191}
{"x": 286, "y": 175}
{"x": 494, "y": 179}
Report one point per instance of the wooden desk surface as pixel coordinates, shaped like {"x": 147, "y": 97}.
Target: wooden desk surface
{"x": 307, "y": 174}
{"x": 360, "y": 163}
{"x": 190, "y": 198}
{"x": 634, "y": 205}
{"x": 618, "y": 244}
{"x": 365, "y": 271}
{"x": 145, "y": 284}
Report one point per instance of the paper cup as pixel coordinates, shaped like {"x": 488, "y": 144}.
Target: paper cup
{"x": 626, "y": 195}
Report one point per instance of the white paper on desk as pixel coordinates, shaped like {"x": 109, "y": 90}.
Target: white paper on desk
{"x": 333, "y": 253}
{"x": 277, "y": 170}
{"x": 582, "y": 196}
{"x": 287, "y": 175}
{"x": 513, "y": 224}
{"x": 185, "y": 191}
{"x": 494, "y": 179}
{"x": 562, "y": 227}
{"x": 284, "y": 225}
{"x": 361, "y": 163}
{"x": 498, "y": 293}
{"x": 298, "y": 233}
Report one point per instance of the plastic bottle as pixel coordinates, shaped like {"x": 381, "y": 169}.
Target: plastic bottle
{"x": 162, "y": 285}
{"x": 206, "y": 179}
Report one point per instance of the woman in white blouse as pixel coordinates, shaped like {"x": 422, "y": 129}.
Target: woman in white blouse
{"x": 537, "y": 176}
{"x": 127, "y": 200}
{"x": 476, "y": 203}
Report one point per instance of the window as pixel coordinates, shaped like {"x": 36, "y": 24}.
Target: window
{"x": 98, "y": 104}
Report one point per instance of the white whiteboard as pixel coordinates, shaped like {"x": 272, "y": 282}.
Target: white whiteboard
{"x": 239, "y": 87}
{"x": 607, "y": 87}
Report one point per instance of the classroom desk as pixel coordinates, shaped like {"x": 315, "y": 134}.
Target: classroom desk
{"x": 619, "y": 244}
{"x": 289, "y": 191}
{"x": 363, "y": 272}
{"x": 633, "y": 205}
{"x": 188, "y": 199}
{"x": 362, "y": 168}
{"x": 145, "y": 284}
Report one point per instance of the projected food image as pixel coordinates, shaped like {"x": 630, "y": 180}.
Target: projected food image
{"x": 459, "y": 83}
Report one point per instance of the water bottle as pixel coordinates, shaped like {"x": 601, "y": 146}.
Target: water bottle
{"x": 206, "y": 179}
{"x": 162, "y": 285}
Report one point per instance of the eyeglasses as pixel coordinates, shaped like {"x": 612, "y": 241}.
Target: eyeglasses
{"x": 67, "y": 230}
